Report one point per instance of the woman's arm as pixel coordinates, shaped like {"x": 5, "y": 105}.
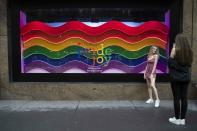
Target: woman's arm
{"x": 155, "y": 64}
{"x": 145, "y": 72}
{"x": 145, "y": 68}
{"x": 172, "y": 54}
{"x": 171, "y": 63}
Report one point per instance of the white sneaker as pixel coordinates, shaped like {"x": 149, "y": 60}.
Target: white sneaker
{"x": 174, "y": 121}
{"x": 149, "y": 101}
{"x": 182, "y": 121}
{"x": 157, "y": 102}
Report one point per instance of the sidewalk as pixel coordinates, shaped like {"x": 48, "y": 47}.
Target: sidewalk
{"x": 91, "y": 116}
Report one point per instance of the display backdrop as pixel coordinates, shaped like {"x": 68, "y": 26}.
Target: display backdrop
{"x": 98, "y": 41}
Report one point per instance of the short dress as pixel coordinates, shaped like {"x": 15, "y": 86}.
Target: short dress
{"x": 150, "y": 64}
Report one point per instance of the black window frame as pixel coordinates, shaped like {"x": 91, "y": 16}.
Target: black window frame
{"x": 14, "y": 56}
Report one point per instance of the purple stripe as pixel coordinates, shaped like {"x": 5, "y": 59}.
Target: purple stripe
{"x": 82, "y": 66}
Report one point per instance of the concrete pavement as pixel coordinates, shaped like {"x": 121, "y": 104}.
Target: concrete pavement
{"x": 91, "y": 116}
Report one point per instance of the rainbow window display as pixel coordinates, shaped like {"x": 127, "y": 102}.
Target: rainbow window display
{"x": 91, "y": 47}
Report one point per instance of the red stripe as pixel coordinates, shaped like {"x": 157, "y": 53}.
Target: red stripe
{"x": 94, "y": 39}
{"x": 111, "y": 25}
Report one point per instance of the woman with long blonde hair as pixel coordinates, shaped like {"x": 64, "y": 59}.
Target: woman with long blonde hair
{"x": 150, "y": 74}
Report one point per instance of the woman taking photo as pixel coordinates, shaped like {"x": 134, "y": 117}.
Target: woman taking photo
{"x": 150, "y": 74}
{"x": 179, "y": 63}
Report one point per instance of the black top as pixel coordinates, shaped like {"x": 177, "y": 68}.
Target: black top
{"x": 179, "y": 72}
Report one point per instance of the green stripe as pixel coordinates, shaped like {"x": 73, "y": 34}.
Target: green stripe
{"x": 77, "y": 49}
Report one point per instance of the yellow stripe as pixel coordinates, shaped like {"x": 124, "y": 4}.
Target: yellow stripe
{"x": 108, "y": 42}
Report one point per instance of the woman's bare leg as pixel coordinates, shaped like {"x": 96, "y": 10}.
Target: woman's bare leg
{"x": 152, "y": 84}
{"x": 149, "y": 88}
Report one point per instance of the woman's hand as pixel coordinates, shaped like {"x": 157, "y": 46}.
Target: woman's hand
{"x": 151, "y": 75}
{"x": 144, "y": 76}
{"x": 172, "y": 54}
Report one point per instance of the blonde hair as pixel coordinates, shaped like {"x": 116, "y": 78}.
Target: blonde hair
{"x": 151, "y": 52}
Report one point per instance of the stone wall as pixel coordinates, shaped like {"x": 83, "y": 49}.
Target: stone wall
{"x": 194, "y": 44}
{"x": 89, "y": 91}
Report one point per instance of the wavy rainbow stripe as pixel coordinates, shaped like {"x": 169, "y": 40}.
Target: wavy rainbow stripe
{"x": 80, "y": 50}
{"x": 74, "y": 44}
{"x": 111, "y": 25}
{"x": 94, "y": 39}
{"x": 80, "y": 65}
{"x": 107, "y": 42}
